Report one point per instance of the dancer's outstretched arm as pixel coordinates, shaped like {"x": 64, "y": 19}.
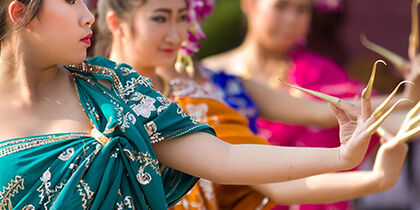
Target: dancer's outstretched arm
{"x": 206, "y": 156}
{"x": 333, "y": 187}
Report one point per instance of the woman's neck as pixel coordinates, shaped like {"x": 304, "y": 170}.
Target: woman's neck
{"x": 257, "y": 55}
{"x": 24, "y": 75}
{"x": 262, "y": 64}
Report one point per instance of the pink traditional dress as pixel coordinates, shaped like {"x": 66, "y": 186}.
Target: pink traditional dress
{"x": 312, "y": 71}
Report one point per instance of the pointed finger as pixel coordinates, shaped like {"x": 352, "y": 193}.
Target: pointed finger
{"x": 350, "y": 108}
{"x": 366, "y": 109}
{"x": 372, "y": 128}
{"x": 414, "y": 35}
{"x": 367, "y": 92}
{"x": 384, "y": 134}
{"x": 341, "y": 116}
{"x": 408, "y": 135}
{"x": 410, "y": 115}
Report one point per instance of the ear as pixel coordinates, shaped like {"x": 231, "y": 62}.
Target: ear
{"x": 17, "y": 12}
{"x": 114, "y": 24}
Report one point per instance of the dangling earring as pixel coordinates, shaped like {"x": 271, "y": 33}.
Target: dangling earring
{"x": 184, "y": 62}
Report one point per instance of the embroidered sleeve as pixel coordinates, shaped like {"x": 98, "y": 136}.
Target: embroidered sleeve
{"x": 162, "y": 119}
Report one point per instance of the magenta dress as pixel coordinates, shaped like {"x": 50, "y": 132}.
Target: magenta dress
{"x": 312, "y": 71}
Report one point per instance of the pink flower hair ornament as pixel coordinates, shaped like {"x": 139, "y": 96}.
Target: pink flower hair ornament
{"x": 328, "y": 5}
{"x": 198, "y": 11}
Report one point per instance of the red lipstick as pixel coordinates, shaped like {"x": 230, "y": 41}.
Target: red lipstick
{"x": 169, "y": 51}
{"x": 86, "y": 39}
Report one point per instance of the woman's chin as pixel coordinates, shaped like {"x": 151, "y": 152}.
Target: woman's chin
{"x": 75, "y": 60}
{"x": 166, "y": 63}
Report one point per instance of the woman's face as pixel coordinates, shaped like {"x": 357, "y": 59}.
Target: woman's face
{"x": 156, "y": 33}
{"x": 280, "y": 24}
{"x": 61, "y": 31}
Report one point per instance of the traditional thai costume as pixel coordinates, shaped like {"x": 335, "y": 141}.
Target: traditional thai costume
{"x": 114, "y": 167}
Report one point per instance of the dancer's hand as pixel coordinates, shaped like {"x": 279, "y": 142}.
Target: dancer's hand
{"x": 389, "y": 162}
{"x": 412, "y": 74}
{"x": 354, "y": 134}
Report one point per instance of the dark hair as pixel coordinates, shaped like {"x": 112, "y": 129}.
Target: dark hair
{"x": 32, "y": 9}
{"x": 123, "y": 9}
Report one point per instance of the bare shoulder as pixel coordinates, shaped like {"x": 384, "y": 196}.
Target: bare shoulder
{"x": 220, "y": 62}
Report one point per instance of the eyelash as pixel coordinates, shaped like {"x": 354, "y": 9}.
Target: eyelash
{"x": 159, "y": 19}
{"x": 71, "y": 1}
{"x": 183, "y": 18}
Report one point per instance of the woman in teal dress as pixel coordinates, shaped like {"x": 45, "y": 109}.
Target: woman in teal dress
{"x": 96, "y": 135}
{"x": 90, "y": 165}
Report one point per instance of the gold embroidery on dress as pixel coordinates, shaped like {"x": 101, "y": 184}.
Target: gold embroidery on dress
{"x": 84, "y": 192}
{"x": 116, "y": 82}
{"x": 19, "y": 145}
{"x": 7, "y": 193}
{"x": 29, "y": 207}
{"x": 198, "y": 111}
{"x": 99, "y": 136}
{"x": 144, "y": 158}
{"x": 143, "y": 177}
{"x": 46, "y": 191}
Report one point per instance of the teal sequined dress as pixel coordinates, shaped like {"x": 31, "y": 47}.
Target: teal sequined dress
{"x": 114, "y": 167}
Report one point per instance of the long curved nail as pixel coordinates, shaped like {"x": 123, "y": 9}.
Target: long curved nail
{"x": 333, "y": 100}
{"x": 367, "y": 92}
{"x": 410, "y": 115}
{"x": 372, "y": 128}
{"x": 408, "y": 135}
{"x": 394, "y": 58}
{"x": 383, "y": 133}
{"x": 414, "y": 121}
{"x": 378, "y": 111}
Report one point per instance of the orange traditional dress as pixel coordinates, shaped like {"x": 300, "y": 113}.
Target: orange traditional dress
{"x": 230, "y": 126}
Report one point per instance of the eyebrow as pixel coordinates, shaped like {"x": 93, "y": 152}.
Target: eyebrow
{"x": 164, "y": 10}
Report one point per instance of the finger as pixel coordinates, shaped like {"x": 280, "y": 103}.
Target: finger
{"x": 381, "y": 108}
{"x": 356, "y": 98}
{"x": 414, "y": 35}
{"x": 341, "y": 116}
{"x": 408, "y": 135}
{"x": 383, "y": 141}
{"x": 350, "y": 108}
{"x": 391, "y": 143}
{"x": 412, "y": 51}
{"x": 413, "y": 67}
{"x": 410, "y": 115}
{"x": 372, "y": 128}
{"x": 366, "y": 109}
{"x": 413, "y": 122}
{"x": 383, "y": 133}
{"x": 404, "y": 69}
